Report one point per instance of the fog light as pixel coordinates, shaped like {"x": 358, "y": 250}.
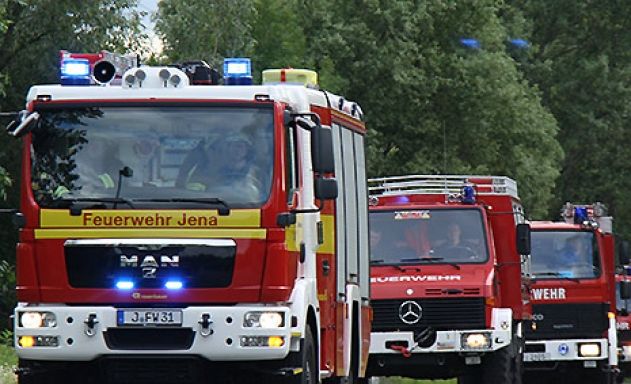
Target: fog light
{"x": 26, "y": 341}
{"x": 475, "y": 341}
{"x": 589, "y": 350}
{"x": 275, "y": 341}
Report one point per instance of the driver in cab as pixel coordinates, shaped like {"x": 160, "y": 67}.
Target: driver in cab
{"x": 227, "y": 166}
{"x": 454, "y": 247}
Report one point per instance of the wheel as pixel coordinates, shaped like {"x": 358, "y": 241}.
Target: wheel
{"x": 505, "y": 365}
{"x": 306, "y": 359}
{"x": 598, "y": 377}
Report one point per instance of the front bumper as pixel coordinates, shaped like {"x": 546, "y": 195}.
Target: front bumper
{"x": 562, "y": 350}
{"x": 223, "y": 344}
{"x": 446, "y": 341}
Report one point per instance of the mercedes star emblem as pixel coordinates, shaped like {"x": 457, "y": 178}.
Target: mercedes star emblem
{"x": 410, "y": 312}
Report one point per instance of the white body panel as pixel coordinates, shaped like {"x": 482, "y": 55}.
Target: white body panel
{"x": 213, "y": 347}
{"x": 552, "y": 348}
{"x": 450, "y": 341}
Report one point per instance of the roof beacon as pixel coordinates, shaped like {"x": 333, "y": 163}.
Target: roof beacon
{"x": 237, "y": 71}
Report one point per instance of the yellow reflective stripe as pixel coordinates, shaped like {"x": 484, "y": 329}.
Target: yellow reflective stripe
{"x": 224, "y": 233}
{"x": 107, "y": 181}
{"x": 136, "y": 218}
{"x": 328, "y": 222}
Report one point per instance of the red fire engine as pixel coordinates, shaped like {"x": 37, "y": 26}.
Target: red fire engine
{"x": 176, "y": 229}
{"x": 623, "y": 321}
{"x": 446, "y": 278}
{"x": 573, "y": 330}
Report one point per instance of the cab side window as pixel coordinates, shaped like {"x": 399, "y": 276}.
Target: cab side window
{"x": 291, "y": 163}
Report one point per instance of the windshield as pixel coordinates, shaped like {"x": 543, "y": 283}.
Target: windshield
{"x": 172, "y": 153}
{"x": 430, "y": 235}
{"x": 564, "y": 254}
{"x": 622, "y": 304}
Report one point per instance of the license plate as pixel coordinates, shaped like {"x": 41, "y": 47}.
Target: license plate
{"x": 149, "y": 317}
{"x": 538, "y": 356}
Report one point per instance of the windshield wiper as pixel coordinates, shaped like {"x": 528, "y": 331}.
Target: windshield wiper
{"x": 100, "y": 203}
{"x": 224, "y": 208}
{"x": 394, "y": 265}
{"x": 557, "y": 275}
{"x": 431, "y": 260}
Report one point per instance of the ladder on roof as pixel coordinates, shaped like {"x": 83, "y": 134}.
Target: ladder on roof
{"x": 442, "y": 184}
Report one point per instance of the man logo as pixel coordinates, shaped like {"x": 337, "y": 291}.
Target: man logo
{"x": 149, "y": 264}
{"x": 410, "y": 312}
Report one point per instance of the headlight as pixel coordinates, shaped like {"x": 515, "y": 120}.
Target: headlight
{"x": 263, "y": 320}
{"x": 589, "y": 350}
{"x": 31, "y": 319}
{"x": 37, "y": 320}
{"x": 476, "y": 341}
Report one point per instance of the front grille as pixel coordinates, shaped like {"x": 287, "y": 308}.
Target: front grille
{"x": 624, "y": 335}
{"x": 151, "y": 371}
{"x": 196, "y": 266}
{"x": 553, "y": 321}
{"x": 440, "y": 314}
{"x": 144, "y": 339}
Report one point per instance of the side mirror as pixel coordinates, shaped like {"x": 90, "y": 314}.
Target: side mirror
{"x": 523, "y": 239}
{"x": 23, "y": 123}
{"x": 325, "y": 189}
{"x": 625, "y": 290}
{"x": 623, "y": 252}
{"x": 322, "y": 150}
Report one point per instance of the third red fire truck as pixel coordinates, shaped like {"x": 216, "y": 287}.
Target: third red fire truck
{"x": 446, "y": 278}
{"x": 573, "y": 331}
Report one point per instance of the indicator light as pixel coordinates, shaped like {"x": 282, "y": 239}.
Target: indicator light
{"x": 124, "y": 284}
{"x": 173, "y": 284}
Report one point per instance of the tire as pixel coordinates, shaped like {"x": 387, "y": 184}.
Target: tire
{"x": 306, "y": 359}
{"x": 599, "y": 377}
{"x": 504, "y": 366}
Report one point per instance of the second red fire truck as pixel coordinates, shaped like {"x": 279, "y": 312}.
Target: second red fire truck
{"x": 449, "y": 292}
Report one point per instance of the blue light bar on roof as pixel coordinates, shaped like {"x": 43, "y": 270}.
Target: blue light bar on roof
{"x": 580, "y": 215}
{"x": 468, "y": 194}
{"x": 75, "y": 71}
{"x": 237, "y": 71}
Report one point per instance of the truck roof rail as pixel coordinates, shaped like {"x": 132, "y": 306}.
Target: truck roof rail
{"x": 441, "y": 184}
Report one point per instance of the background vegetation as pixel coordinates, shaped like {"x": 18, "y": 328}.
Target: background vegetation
{"x": 550, "y": 110}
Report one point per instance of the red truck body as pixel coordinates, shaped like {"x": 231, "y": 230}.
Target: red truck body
{"x": 480, "y": 291}
{"x": 573, "y": 294}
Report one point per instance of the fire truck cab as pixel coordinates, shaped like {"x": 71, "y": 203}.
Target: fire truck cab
{"x": 573, "y": 329}
{"x": 623, "y": 319}
{"x": 446, "y": 277}
{"x": 176, "y": 229}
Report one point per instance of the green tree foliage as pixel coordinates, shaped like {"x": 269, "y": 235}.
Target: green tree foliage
{"x": 205, "y": 30}
{"x": 581, "y": 61}
{"x": 436, "y": 107}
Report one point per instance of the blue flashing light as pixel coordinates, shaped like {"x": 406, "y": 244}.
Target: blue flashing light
{"x": 468, "y": 195}
{"x": 402, "y": 199}
{"x": 519, "y": 43}
{"x": 75, "y": 71}
{"x": 173, "y": 284}
{"x": 470, "y": 43}
{"x": 237, "y": 71}
{"x": 124, "y": 284}
{"x": 580, "y": 215}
